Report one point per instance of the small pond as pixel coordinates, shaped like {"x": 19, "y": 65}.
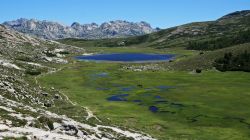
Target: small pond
{"x": 127, "y": 57}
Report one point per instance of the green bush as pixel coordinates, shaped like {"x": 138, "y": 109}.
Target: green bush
{"x": 64, "y": 52}
{"x": 49, "y": 54}
{"x": 33, "y": 72}
{"x": 24, "y": 58}
{"x": 47, "y": 121}
{"x": 229, "y": 62}
{"x": 14, "y": 138}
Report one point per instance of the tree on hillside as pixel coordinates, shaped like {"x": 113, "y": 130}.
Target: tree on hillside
{"x": 229, "y": 62}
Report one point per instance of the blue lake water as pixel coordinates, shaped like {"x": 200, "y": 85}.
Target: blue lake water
{"x": 137, "y": 101}
{"x": 158, "y": 97}
{"x": 163, "y": 88}
{"x": 100, "y": 75}
{"x": 119, "y": 97}
{"x": 126, "y": 89}
{"x": 127, "y": 57}
{"x": 153, "y": 109}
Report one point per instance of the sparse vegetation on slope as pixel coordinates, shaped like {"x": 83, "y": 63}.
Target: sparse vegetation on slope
{"x": 222, "y": 42}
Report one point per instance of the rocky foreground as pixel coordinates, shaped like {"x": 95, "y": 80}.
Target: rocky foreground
{"x": 30, "y": 111}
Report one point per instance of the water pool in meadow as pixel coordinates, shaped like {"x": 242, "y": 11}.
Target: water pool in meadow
{"x": 127, "y": 57}
{"x": 119, "y": 97}
{"x": 152, "y": 97}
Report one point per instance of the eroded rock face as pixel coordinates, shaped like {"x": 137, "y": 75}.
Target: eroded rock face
{"x": 54, "y": 30}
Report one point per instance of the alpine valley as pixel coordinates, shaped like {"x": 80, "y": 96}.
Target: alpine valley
{"x": 199, "y": 91}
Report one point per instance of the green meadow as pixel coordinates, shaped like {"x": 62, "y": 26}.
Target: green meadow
{"x": 167, "y": 104}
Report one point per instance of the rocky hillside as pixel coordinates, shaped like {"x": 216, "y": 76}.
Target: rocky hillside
{"x": 30, "y": 111}
{"x": 53, "y": 30}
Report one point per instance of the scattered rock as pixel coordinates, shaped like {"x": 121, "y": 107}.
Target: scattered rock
{"x": 45, "y": 94}
{"x": 57, "y": 96}
{"x": 47, "y": 104}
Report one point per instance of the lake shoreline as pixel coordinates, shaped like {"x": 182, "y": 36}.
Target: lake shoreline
{"x": 126, "y": 58}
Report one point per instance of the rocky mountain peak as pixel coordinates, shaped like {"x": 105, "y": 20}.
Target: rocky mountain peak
{"x": 144, "y": 23}
{"x": 75, "y": 24}
{"x": 54, "y": 30}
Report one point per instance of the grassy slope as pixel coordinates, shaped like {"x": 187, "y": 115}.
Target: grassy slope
{"x": 206, "y": 60}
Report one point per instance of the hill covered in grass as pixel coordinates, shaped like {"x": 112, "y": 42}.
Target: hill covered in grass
{"x": 231, "y": 29}
{"x": 206, "y": 59}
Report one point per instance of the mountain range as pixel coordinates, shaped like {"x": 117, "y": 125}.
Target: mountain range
{"x": 53, "y": 30}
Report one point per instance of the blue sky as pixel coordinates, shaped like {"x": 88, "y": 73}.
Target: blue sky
{"x": 159, "y": 13}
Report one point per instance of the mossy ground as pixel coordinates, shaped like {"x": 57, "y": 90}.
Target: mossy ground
{"x": 210, "y": 105}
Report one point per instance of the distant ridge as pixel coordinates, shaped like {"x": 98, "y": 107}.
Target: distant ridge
{"x": 236, "y": 14}
{"x": 53, "y": 30}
